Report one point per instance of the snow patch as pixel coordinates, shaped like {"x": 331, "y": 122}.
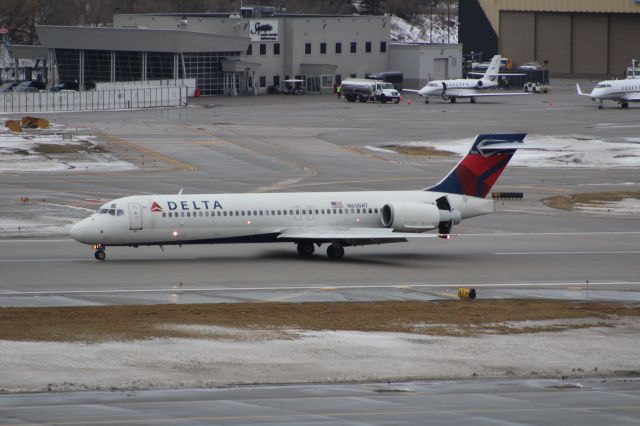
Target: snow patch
{"x": 18, "y": 153}
{"x": 556, "y": 151}
{"x": 626, "y": 206}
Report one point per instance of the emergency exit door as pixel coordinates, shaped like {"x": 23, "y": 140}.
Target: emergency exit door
{"x": 135, "y": 216}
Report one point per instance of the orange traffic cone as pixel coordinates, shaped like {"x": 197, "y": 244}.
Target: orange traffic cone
{"x": 409, "y": 101}
{"x": 551, "y": 103}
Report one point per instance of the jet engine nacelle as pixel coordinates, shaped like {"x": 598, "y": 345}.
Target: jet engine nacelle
{"x": 480, "y": 84}
{"x": 410, "y": 217}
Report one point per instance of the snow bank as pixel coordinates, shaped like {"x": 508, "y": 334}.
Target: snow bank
{"x": 313, "y": 357}
{"x": 421, "y": 31}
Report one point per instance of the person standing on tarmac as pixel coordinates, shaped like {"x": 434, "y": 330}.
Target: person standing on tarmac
{"x": 339, "y": 91}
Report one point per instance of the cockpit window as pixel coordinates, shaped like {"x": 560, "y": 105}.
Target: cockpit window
{"x": 112, "y": 212}
{"x": 119, "y": 212}
{"x": 602, "y": 85}
{"x": 103, "y": 211}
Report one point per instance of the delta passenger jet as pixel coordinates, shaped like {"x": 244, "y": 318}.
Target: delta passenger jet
{"x": 307, "y": 219}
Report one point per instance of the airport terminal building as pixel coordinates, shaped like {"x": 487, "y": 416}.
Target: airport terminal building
{"x": 245, "y": 53}
{"x": 227, "y": 54}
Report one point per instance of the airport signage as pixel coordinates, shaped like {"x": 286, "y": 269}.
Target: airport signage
{"x": 263, "y": 29}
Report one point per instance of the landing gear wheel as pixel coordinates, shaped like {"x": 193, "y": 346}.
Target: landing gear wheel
{"x": 426, "y": 100}
{"x": 624, "y": 105}
{"x": 100, "y": 255}
{"x": 305, "y": 249}
{"x": 452, "y": 100}
{"x": 335, "y": 251}
{"x": 600, "y": 107}
{"x": 473, "y": 100}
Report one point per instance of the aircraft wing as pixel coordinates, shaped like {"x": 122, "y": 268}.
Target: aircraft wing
{"x": 411, "y": 90}
{"x": 352, "y": 236}
{"x": 632, "y": 97}
{"x": 474, "y": 94}
{"x": 501, "y": 73}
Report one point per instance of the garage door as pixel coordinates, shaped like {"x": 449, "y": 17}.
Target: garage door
{"x": 517, "y": 36}
{"x": 553, "y": 41}
{"x": 589, "y": 50}
{"x": 440, "y": 69}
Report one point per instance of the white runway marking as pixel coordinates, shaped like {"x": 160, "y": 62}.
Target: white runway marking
{"x": 566, "y": 252}
{"x": 317, "y": 287}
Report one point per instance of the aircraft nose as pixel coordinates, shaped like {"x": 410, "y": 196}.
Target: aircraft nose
{"x": 78, "y": 230}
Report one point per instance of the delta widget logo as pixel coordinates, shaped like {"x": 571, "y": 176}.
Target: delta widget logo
{"x": 155, "y": 207}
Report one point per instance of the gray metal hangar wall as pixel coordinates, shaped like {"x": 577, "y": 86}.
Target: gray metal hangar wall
{"x": 571, "y": 43}
{"x": 583, "y": 37}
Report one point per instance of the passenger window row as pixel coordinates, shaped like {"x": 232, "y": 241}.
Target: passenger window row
{"x": 290, "y": 212}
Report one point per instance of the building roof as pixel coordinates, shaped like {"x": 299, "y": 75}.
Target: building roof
{"x": 137, "y": 39}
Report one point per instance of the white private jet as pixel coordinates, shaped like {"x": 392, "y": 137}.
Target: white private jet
{"x": 450, "y": 90}
{"x": 621, "y": 91}
{"x": 308, "y": 219}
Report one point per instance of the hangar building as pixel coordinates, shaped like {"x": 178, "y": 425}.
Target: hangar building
{"x": 580, "y": 37}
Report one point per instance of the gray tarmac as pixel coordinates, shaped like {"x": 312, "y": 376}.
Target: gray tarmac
{"x": 315, "y": 143}
{"x": 504, "y": 402}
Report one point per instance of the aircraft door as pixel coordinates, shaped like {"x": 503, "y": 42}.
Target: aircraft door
{"x": 135, "y": 216}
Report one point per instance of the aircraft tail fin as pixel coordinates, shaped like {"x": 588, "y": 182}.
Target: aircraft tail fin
{"x": 493, "y": 70}
{"x": 479, "y": 170}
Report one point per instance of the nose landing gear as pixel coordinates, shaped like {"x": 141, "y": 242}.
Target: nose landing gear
{"x": 99, "y": 252}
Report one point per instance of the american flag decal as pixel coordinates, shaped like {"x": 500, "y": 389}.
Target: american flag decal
{"x": 336, "y": 204}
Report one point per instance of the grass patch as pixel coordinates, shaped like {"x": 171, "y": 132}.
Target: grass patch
{"x": 117, "y": 323}
{"x": 568, "y": 202}
{"x": 418, "y": 150}
{"x": 71, "y": 148}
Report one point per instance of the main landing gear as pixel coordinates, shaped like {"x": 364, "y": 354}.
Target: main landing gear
{"x": 334, "y": 251}
{"x": 305, "y": 249}
{"x": 99, "y": 252}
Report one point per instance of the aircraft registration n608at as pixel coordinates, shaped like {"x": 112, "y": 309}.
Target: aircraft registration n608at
{"x": 308, "y": 219}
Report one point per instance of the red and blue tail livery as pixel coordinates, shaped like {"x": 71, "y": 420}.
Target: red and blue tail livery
{"x": 476, "y": 173}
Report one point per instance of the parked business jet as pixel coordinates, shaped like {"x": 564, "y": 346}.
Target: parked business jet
{"x": 308, "y": 219}
{"x": 621, "y": 91}
{"x": 450, "y": 90}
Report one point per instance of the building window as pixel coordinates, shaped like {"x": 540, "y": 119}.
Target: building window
{"x": 327, "y": 80}
{"x": 68, "y": 62}
{"x": 263, "y": 49}
{"x": 338, "y": 48}
{"x": 159, "y": 66}
{"x": 323, "y": 48}
{"x": 338, "y": 78}
{"x": 354, "y": 47}
{"x": 263, "y": 81}
{"x": 353, "y": 75}
{"x": 367, "y": 47}
{"x": 276, "y": 80}
{"x": 249, "y": 50}
{"x": 383, "y": 46}
{"x": 128, "y": 66}
{"x": 97, "y": 66}
{"x": 307, "y": 48}
{"x": 205, "y": 67}
{"x": 276, "y": 48}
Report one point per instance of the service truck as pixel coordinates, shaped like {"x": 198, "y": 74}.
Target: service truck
{"x": 365, "y": 90}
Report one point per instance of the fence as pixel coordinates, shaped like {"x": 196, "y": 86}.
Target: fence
{"x": 94, "y": 100}
{"x": 140, "y": 84}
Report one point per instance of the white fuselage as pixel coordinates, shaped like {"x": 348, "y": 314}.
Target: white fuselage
{"x": 457, "y": 87}
{"x": 211, "y": 218}
{"x": 617, "y": 90}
